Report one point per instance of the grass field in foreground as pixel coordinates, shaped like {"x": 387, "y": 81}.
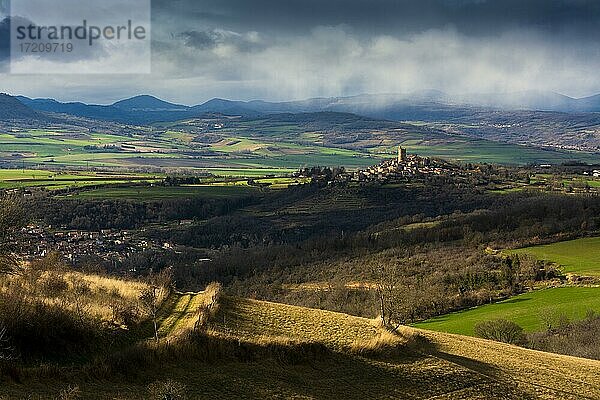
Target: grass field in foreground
{"x": 250, "y": 319}
{"x": 526, "y": 310}
{"x": 451, "y": 367}
{"x": 454, "y": 367}
{"x": 581, "y": 256}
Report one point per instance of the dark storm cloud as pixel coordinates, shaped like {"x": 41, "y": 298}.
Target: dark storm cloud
{"x": 210, "y": 39}
{"x": 473, "y": 17}
{"x": 200, "y": 39}
{"x": 4, "y": 39}
{"x": 284, "y": 49}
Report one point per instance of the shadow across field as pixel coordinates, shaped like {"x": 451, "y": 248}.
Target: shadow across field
{"x": 226, "y": 368}
{"x": 474, "y": 365}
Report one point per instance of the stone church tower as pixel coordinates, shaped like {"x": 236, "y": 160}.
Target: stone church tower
{"x": 401, "y": 154}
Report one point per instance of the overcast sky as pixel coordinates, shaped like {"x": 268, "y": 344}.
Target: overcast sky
{"x": 295, "y": 49}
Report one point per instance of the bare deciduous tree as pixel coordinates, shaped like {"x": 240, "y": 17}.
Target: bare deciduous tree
{"x": 388, "y": 284}
{"x": 149, "y": 300}
{"x": 163, "y": 279}
{"x": 161, "y": 285}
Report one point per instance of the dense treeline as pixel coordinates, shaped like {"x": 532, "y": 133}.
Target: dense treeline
{"x": 561, "y": 335}
{"x": 513, "y": 220}
{"x": 310, "y": 212}
{"x": 94, "y": 215}
{"x": 431, "y": 280}
{"x": 578, "y": 339}
{"x": 516, "y": 219}
{"x": 454, "y": 271}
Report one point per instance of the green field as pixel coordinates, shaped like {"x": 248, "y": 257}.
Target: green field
{"x": 245, "y": 172}
{"x": 161, "y": 192}
{"x": 249, "y": 148}
{"x": 467, "y": 149}
{"x": 484, "y": 151}
{"x": 236, "y": 152}
{"x": 581, "y": 256}
{"x": 105, "y": 185}
{"x": 527, "y": 310}
{"x": 179, "y": 312}
{"x": 13, "y": 179}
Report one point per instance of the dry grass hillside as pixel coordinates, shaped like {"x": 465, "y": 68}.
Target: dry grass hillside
{"x": 257, "y": 350}
{"x": 437, "y": 364}
{"x": 48, "y": 283}
{"x": 87, "y": 294}
{"x": 544, "y": 375}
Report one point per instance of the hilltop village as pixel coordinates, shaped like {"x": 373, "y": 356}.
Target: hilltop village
{"x": 404, "y": 167}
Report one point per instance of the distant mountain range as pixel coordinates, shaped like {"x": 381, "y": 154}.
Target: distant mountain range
{"x": 138, "y": 110}
{"x": 535, "y": 101}
{"x": 420, "y": 106}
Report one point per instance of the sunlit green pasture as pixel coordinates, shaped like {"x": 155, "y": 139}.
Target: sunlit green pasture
{"x": 528, "y": 310}
{"x": 580, "y": 256}
{"x": 13, "y": 178}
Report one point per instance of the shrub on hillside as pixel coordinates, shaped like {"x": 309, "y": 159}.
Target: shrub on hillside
{"x": 39, "y": 329}
{"x": 5, "y": 349}
{"x": 54, "y": 261}
{"x": 12, "y": 218}
{"x": 69, "y": 393}
{"x": 578, "y": 338}
{"x": 553, "y": 321}
{"x": 124, "y": 313}
{"x": 500, "y": 330}
{"x": 50, "y": 311}
{"x": 53, "y": 284}
{"x": 209, "y": 310}
{"x": 167, "y": 390}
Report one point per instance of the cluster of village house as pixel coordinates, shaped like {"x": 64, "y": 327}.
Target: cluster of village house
{"x": 404, "y": 166}
{"x": 113, "y": 245}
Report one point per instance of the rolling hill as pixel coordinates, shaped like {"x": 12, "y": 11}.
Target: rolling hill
{"x": 140, "y": 110}
{"x": 438, "y": 365}
{"x": 145, "y": 103}
{"x": 13, "y": 109}
{"x": 563, "y": 123}
{"x": 77, "y": 109}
